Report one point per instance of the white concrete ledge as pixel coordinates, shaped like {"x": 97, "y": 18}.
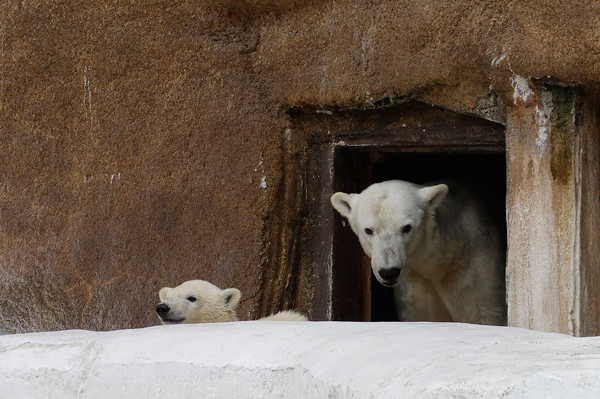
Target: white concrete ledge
{"x": 300, "y": 360}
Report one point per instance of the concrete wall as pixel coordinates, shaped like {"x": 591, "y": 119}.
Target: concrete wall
{"x": 143, "y": 145}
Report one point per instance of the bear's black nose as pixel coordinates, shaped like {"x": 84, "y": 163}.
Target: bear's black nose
{"x": 162, "y": 309}
{"x": 390, "y": 274}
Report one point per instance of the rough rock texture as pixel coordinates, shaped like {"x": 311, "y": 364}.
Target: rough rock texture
{"x": 135, "y": 148}
{"x": 142, "y": 145}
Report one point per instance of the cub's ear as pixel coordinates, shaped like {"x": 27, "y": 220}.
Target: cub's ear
{"x": 231, "y": 298}
{"x": 433, "y": 195}
{"x": 162, "y": 294}
{"x": 343, "y": 203}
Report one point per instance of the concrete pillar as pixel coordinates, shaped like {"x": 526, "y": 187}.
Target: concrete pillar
{"x": 552, "y": 210}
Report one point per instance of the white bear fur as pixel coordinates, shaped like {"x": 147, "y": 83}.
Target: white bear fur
{"x": 451, "y": 258}
{"x": 198, "y": 301}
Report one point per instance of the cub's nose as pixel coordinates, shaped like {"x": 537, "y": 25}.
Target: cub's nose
{"x": 162, "y": 309}
{"x": 390, "y": 274}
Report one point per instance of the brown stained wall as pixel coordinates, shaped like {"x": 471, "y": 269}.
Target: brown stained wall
{"x": 447, "y": 51}
{"x": 144, "y": 144}
{"x": 133, "y": 140}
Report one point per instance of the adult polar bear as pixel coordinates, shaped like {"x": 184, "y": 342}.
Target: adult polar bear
{"x": 436, "y": 245}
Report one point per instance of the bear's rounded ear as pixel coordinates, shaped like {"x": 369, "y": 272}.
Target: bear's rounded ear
{"x": 231, "y": 298}
{"x": 162, "y": 294}
{"x": 343, "y": 203}
{"x": 433, "y": 195}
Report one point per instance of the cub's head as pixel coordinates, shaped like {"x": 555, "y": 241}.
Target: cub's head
{"x": 197, "y": 301}
{"x": 390, "y": 220}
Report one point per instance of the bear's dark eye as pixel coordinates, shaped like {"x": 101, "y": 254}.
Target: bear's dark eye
{"x": 191, "y": 298}
{"x": 369, "y": 231}
{"x": 406, "y": 229}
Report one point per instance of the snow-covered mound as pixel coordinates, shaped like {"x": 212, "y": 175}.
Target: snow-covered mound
{"x": 300, "y": 360}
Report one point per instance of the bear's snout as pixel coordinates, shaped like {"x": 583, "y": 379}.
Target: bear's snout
{"x": 162, "y": 309}
{"x": 390, "y": 275}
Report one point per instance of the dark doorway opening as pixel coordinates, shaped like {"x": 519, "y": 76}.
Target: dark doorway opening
{"x": 485, "y": 173}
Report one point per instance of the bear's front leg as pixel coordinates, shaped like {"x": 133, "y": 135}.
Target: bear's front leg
{"x": 417, "y": 300}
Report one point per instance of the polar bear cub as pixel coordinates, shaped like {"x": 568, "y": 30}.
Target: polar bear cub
{"x": 436, "y": 245}
{"x": 198, "y": 301}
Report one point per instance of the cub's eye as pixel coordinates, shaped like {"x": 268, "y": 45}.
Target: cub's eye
{"x": 406, "y": 229}
{"x": 369, "y": 231}
{"x": 191, "y": 298}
